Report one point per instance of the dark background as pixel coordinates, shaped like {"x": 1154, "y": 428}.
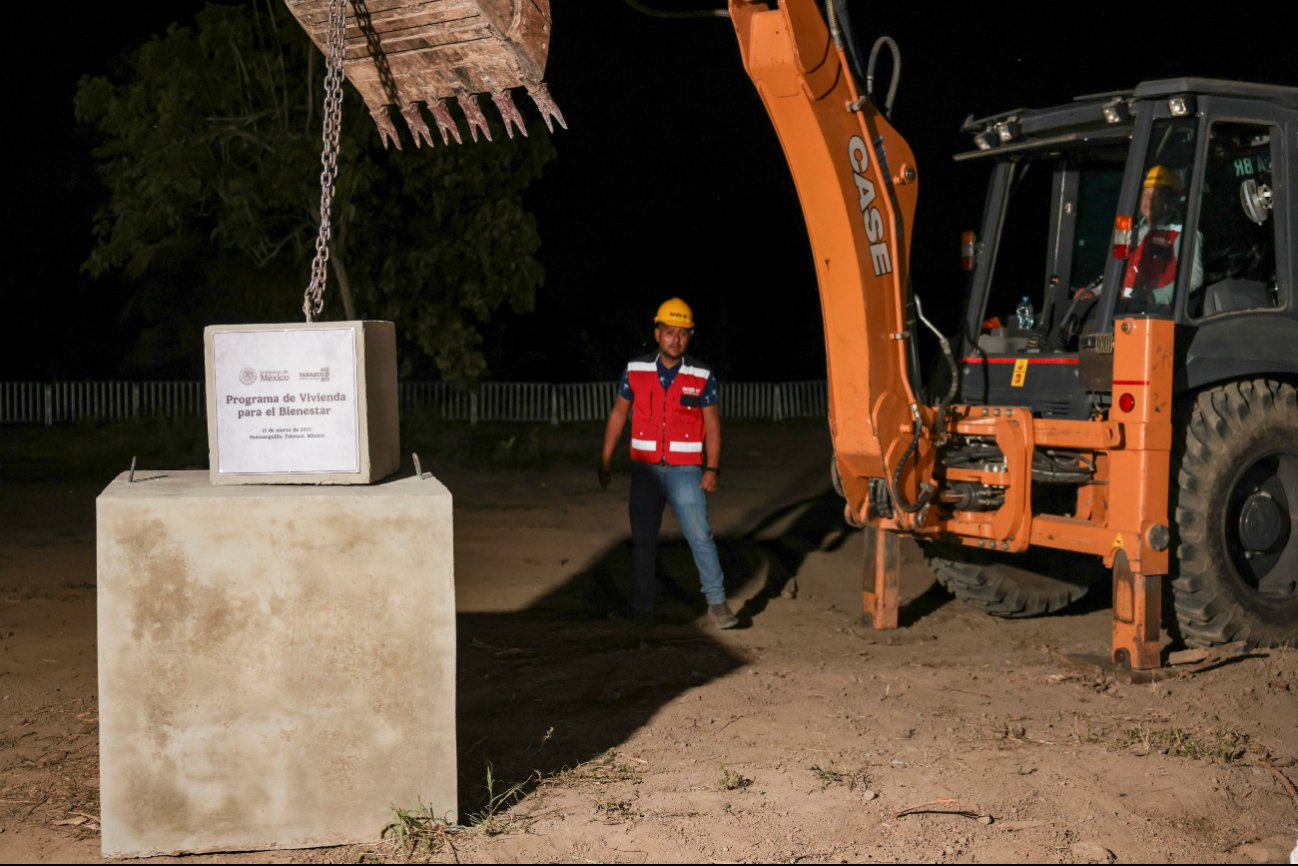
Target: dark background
{"x": 669, "y": 180}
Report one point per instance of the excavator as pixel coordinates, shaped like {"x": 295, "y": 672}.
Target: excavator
{"x": 1137, "y": 421}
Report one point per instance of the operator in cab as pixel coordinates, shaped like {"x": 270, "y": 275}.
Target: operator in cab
{"x": 1149, "y": 283}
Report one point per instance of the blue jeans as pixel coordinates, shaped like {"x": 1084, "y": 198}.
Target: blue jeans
{"x": 652, "y": 487}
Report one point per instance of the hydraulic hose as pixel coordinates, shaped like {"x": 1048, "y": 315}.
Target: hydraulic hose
{"x": 896, "y": 71}
{"x": 840, "y": 28}
{"x": 950, "y": 362}
{"x": 925, "y": 489}
{"x": 841, "y": 22}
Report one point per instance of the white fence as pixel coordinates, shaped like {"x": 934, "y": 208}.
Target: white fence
{"x": 57, "y": 402}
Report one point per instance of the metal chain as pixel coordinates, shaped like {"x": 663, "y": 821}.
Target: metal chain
{"x": 313, "y": 300}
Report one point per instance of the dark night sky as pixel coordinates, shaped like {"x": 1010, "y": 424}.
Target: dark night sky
{"x": 668, "y": 181}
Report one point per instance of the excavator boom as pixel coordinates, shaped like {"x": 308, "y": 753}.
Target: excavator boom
{"x": 857, "y": 183}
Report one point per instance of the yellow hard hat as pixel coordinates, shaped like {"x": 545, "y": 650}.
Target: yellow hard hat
{"x": 676, "y": 313}
{"x": 1162, "y": 176}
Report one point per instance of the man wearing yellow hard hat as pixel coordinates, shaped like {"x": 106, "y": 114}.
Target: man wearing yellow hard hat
{"x": 1150, "y": 278}
{"x": 671, "y": 399}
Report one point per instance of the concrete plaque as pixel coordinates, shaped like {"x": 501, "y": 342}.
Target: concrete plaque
{"x": 302, "y": 404}
{"x": 286, "y": 401}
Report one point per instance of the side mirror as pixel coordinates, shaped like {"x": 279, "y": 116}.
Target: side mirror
{"x": 1256, "y": 200}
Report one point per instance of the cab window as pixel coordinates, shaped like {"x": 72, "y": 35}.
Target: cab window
{"x": 1158, "y": 247}
{"x": 1236, "y": 222}
{"x": 1054, "y": 242}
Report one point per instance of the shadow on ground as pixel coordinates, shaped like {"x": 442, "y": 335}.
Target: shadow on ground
{"x": 571, "y": 677}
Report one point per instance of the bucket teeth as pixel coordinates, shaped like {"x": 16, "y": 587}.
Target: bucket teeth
{"x": 445, "y": 123}
{"x": 508, "y": 112}
{"x": 473, "y": 113}
{"x": 545, "y": 104}
{"x": 419, "y": 130}
{"x": 447, "y": 127}
{"x": 387, "y": 131}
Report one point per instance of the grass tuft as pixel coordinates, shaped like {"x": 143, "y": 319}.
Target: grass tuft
{"x": 829, "y": 776}
{"x": 607, "y": 769}
{"x": 733, "y": 780}
{"x": 1224, "y": 745}
{"x": 418, "y": 832}
{"x": 491, "y": 820}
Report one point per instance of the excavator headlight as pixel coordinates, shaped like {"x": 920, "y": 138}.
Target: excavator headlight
{"x": 1181, "y": 106}
{"x": 987, "y": 139}
{"x": 1115, "y": 111}
{"x": 1008, "y": 130}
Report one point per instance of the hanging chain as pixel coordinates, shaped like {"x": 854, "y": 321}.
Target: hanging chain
{"x": 313, "y": 300}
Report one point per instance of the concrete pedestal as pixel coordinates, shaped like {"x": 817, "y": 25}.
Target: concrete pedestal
{"x": 276, "y": 664}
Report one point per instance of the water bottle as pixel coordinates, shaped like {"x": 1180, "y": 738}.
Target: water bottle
{"x": 1023, "y": 314}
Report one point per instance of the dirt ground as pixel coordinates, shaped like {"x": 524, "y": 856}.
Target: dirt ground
{"x": 799, "y": 736}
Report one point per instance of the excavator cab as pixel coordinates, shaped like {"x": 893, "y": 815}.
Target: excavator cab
{"x": 1161, "y": 202}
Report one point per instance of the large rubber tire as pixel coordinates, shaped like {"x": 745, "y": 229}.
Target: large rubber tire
{"x": 1237, "y": 517}
{"x": 1020, "y": 585}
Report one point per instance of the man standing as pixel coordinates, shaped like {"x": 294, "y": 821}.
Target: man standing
{"x": 675, "y": 457}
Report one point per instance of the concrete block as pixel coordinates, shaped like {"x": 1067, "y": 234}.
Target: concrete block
{"x": 276, "y": 664}
{"x": 302, "y": 403}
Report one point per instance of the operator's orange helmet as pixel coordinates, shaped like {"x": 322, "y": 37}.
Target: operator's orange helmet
{"x": 1161, "y": 175}
{"x": 676, "y": 313}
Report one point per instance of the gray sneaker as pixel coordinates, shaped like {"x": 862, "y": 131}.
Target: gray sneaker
{"x": 722, "y": 615}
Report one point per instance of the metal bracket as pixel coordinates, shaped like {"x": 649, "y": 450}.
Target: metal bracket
{"x": 419, "y": 471}
{"x": 131, "y": 479}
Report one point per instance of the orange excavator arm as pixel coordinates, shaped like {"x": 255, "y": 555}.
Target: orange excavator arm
{"x": 857, "y": 182}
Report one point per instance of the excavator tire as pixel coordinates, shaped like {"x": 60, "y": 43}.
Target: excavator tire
{"x": 1012, "y": 585}
{"x": 1237, "y": 503}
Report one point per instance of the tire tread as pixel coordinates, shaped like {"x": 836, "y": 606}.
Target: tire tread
{"x": 1206, "y": 610}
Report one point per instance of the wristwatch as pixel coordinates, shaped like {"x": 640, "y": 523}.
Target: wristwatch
{"x": 713, "y": 469}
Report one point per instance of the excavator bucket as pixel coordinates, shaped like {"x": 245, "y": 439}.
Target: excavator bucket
{"x": 414, "y": 57}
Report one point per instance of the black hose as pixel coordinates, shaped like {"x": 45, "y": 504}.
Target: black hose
{"x": 925, "y": 489}
{"x": 879, "y": 44}
{"x": 850, "y": 44}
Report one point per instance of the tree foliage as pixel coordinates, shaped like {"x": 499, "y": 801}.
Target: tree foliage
{"x": 210, "y": 154}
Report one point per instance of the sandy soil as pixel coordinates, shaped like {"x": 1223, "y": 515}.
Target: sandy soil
{"x": 800, "y": 736}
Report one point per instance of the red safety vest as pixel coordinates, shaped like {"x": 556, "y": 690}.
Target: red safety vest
{"x": 667, "y": 426}
{"x": 1153, "y": 265}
